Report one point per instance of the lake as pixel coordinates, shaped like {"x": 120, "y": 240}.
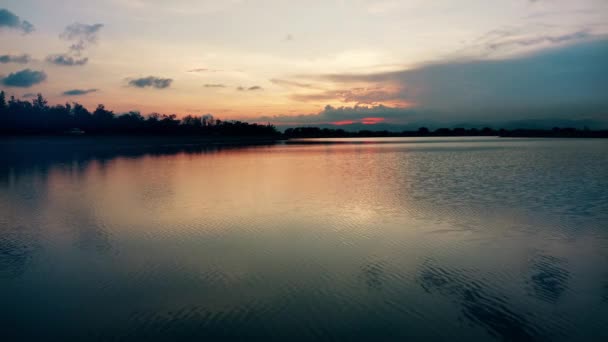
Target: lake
{"x": 345, "y": 239}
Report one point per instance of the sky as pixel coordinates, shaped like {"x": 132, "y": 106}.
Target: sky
{"x": 358, "y": 63}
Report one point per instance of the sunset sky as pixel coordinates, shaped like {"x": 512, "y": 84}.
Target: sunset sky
{"x": 315, "y": 62}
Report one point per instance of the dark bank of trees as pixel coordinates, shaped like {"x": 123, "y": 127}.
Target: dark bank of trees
{"x": 38, "y": 117}
{"x": 316, "y": 132}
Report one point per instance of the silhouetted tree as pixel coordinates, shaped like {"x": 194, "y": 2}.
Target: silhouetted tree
{"x": 102, "y": 120}
{"x": 423, "y": 131}
{"x": 2, "y": 101}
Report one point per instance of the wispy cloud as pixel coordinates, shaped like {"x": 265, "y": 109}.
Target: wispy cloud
{"x": 201, "y": 70}
{"x": 152, "y": 82}
{"x": 510, "y": 41}
{"x": 10, "y": 20}
{"x": 81, "y": 36}
{"x": 288, "y": 83}
{"x": 359, "y": 95}
{"x": 181, "y": 7}
{"x": 252, "y": 88}
{"x": 78, "y": 92}
{"x": 24, "y": 78}
{"x": 21, "y": 59}
{"x": 214, "y": 85}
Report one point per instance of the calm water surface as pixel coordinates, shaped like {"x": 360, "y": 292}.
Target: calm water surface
{"x": 468, "y": 238}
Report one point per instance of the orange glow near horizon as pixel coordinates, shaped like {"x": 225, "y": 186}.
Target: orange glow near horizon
{"x": 372, "y": 121}
{"x": 365, "y": 121}
{"x": 343, "y": 122}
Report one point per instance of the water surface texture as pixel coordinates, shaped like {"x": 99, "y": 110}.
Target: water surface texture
{"x": 466, "y": 238}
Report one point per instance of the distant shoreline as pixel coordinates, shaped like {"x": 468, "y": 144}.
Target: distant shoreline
{"x": 316, "y": 132}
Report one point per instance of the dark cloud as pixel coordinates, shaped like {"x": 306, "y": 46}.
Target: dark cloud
{"x": 10, "y": 20}
{"x": 214, "y": 85}
{"x": 22, "y": 59}
{"x": 564, "y": 82}
{"x": 82, "y": 35}
{"x": 561, "y": 86}
{"x": 66, "y": 60}
{"x": 24, "y": 78}
{"x": 151, "y": 81}
{"x": 77, "y": 92}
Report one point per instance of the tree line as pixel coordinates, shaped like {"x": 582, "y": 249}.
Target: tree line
{"x": 19, "y": 117}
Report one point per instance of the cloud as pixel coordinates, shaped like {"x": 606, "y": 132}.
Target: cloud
{"x": 77, "y": 92}
{"x": 29, "y": 95}
{"x": 358, "y": 95}
{"x": 564, "y": 84}
{"x": 66, "y": 60}
{"x": 82, "y": 35}
{"x": 288, "y": 38}
{"x": 10, "y": 20}
{"x": 22, "y": 59}
{"x": 180, "y": 7}
{"x": 198, "y": 70}
{"x": 252, "y": 88}
{"x": 575, "y": 74}
{"x": 505, "y": 42}
{"x": 151, "y": 81}
{"x": 214, "y": 85}
{"x": 344, "y": 115}
{"x": 289, "y": 84}
{"x": 513, "y": 40}
{"x": 24, "y": 78}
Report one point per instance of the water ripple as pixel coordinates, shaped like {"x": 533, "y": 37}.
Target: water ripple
{"x": 479, "y": 305}
{"x": 549, "y": 279}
